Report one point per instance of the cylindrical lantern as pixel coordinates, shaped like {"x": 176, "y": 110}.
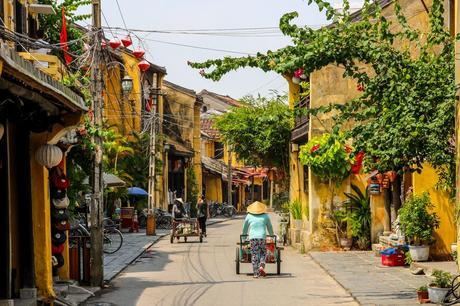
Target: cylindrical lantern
{"x": 114, "y": 43}
{"x": 2, "y": 131}
{"x": 48, "y": 155}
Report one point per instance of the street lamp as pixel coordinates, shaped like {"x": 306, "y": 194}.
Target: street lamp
{"x": 127, "y": 84}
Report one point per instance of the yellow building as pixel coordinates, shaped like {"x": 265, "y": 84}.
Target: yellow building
{"x": 181, "y": 128}
{"x": 36, "y": 109}
{"x": 328, "y": 86}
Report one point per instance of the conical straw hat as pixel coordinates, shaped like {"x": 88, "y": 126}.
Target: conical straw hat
{"x": 257, "y": 208}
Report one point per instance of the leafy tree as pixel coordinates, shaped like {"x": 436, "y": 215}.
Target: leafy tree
{"x": 405, "y": 115}
{"x": 192, "y": 191}
{"x": 51, "y": 24}
{"x": 259, "y": 132}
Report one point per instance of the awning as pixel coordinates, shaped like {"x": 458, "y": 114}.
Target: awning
{"x": 110, "y": 180}
{"x": 179, "y": 149}
{"x": 22, "y": 70}
{"x": 213, "y": 165}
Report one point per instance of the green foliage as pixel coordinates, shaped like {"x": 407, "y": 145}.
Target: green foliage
{"x": 259, "y": 132}
{"x": 359, "y": 218}
{"x": 408, "y": 258}
{"x": 295, "y": 208}
{"x": 279, "y": 199}
{"x": 423, "y": 288}
{"x": 192, "y": 190}
{"x": 417, "y": 222}
{"x": 405, "y": 115}
{"x": 51, "y": 24}
{"x": 442, "y": 279}
{"x": 327, "y": 157}
{"x": 136, "y": 165}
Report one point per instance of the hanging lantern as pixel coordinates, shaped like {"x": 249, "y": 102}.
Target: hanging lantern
{"x": 295, "y": 80}
{"x": 126, "y": 41}
{"x": 143, "y": 65}
{"x": 48, "y": 156}
{"x": 2, "y": 131}
{"x": 114, "y": 43}
{"x": 103, "y": 44}
{"x": 138, "y": 53}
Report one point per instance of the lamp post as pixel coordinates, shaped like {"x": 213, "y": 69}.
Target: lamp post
{"x": 127, "y": 85}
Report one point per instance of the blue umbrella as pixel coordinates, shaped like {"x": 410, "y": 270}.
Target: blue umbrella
{"x": 137, "y": 191}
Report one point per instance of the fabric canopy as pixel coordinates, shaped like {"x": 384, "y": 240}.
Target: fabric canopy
{"x": 137, "y": 191}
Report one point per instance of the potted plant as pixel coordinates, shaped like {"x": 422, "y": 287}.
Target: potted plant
{"x": 422, "y": 293}
{"x": 439, "y": 287}
{"x": 340, "y": 218}
{"x": 359, "y": 216}
{"x": 418, "y": 224}
{"x": 295, "y": 208}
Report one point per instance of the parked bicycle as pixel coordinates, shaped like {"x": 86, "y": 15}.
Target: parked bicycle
{"x": 216, "y": 209}
{"x": 112, "y": 237}
{"x": 163, "y": 219}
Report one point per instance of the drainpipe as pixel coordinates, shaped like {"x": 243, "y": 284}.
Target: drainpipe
{"x": 456, "y": 16}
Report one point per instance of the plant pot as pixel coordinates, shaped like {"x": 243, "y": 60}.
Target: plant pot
{"x": 422, "y": 295}
{"x": 346, "y": 243}
{"x": 298, "y": 224}
{"x": 436, "y": 295}
{"x": 419, "y": 253}
{"x": 453, "y": 247}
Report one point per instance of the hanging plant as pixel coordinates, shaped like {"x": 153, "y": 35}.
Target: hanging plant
{"x": 327, "y": 157}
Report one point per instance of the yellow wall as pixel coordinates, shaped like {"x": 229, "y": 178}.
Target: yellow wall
{"x": 213, "y": 186}
{"x": 123, "y": 111}
{"x": 443, "y": 207}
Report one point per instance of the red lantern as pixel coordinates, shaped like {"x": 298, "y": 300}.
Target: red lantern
{"x": 103, "y": 44}
{"x": 138, "y": 53}
{"x": 392, "y": 175}
{"x": 143, "y": 65}
{"x": 126, "y": 41}
{"x": 114, "y": 43}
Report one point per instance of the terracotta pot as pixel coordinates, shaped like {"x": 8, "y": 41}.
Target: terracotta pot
{"x": 422, "y": 295}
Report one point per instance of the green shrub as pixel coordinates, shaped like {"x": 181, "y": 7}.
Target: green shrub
{"x": 359, "y": 217}
{"x": 442, "y": 279}
{"x": 417, "y": 223}
{"x": 423, "y": 288}
{"x": 295, "y": 208}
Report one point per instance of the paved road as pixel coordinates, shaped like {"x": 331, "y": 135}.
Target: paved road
{"x": 204, "y": 274}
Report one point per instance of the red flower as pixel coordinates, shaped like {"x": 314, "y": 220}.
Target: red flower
{"x": 314, "y": 148}
{"x": 360, "y": 87}
{"x": 348, "y": 149}
{"x": 298, "y": 73}
{"x": 356, "y": 168}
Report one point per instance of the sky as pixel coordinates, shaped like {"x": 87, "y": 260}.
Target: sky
{"x": 209, "y": 14}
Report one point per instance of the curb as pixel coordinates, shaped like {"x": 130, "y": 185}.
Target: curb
{"x": 158, "y": 238}
{"x": 328, "y": 273}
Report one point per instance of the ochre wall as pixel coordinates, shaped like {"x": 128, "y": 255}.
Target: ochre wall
{"x": 213, "y": 186}
{"x": 443, "y": 207}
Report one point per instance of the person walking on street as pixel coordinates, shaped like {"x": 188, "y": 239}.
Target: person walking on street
{"x": 203, "y": 214}
{"x": 257, "y": 222}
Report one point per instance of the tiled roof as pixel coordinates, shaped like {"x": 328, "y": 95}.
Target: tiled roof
{"x": 213, "y": 165}
{"x": 208, "y": 128}
{"x": 226, "y": 99}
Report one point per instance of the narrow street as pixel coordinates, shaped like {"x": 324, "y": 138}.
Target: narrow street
{"x": 204, "y": 274}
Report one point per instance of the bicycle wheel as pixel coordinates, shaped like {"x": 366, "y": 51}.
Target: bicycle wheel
{"x": 113, "y": 240}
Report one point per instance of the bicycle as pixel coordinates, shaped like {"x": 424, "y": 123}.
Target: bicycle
{"x": 453, "y": 295}
{"x": 112, "y": 237}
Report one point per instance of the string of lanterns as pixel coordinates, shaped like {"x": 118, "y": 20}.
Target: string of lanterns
{"x": 138, "y": 53}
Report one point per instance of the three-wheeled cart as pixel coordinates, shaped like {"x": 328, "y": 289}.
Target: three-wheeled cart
{"x": 185, "y": 227}
{"x": 243, "y": 252}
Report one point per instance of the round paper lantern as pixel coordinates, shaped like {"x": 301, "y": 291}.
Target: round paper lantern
{"x": 48, "y": 156}
{"x": 138, "y": 53}
{"x": 143, "y": 65}
{"x": 114, "y": 43}
{"x": 126, "y": 41}
{"x": 2, "y": 131}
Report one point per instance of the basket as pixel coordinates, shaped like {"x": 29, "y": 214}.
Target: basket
{"x": 394, "y": 260}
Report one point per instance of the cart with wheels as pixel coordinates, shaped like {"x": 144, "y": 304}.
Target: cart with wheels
{"x": 185, "y": 227}
{"x": 243, "y": 253}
